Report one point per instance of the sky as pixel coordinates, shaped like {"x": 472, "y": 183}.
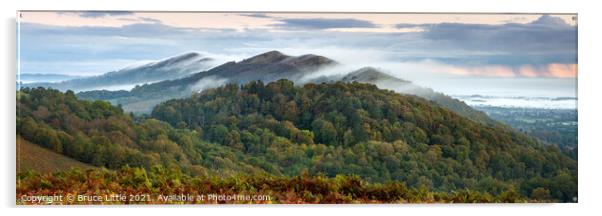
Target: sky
{"x": 429, "y": 49}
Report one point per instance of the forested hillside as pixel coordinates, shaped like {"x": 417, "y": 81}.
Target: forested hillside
{"x": 279, "y": 129}
{"x": 102, "y": 135}
{"x": 385, "y": 81}
{"x": 359, "y": 129}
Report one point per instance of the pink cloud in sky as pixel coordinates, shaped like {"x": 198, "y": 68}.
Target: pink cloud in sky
{"x": 550, "y": 70}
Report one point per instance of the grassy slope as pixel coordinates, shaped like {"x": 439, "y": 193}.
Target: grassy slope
{"x": 33, "y": 157}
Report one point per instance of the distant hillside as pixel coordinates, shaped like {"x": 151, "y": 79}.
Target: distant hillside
{"x": 126, "y": 78}
{"x": 385, "y": 81}
{"x": 370, "y": 75}
{"x": 267, "y": 67}
{"x": 34, "y": 157}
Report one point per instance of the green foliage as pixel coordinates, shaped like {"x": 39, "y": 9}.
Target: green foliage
{"x": 97, "y": 133}
{"x": 332, "y": 129}
{"x": 376, "y": 134}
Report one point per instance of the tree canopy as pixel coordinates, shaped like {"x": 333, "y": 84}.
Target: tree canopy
{"x": 279, "y": 129}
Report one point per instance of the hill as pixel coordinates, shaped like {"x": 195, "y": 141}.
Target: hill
{"x": 171, "y": 68}
{"x": 280, "y": 129}
{"x": 101, "y": 135}
{"x": 385, "y": 81}
{"x": 353, "y": 128}
{"x": 267, "y": 67}
{"x": 33, "y": 157}
{"x": 372, "y": 75}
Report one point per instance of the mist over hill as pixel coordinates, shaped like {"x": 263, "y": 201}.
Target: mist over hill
{"x": 267, "y": 67}
{"x": 125, "y": 79}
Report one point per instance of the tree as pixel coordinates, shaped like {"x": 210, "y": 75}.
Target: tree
{"x": 325, "y": 132}
{"x": 348, "y": 138}
{"x": 541, "y": 194}
{"x": 217, "y": 134}
{"x": 233, "y": 140}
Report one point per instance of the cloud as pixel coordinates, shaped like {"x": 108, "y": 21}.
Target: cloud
{"x": 94, "y": 50}
{"x": 508, "y": 58}
{"x": 322, "y": 23}
{"x": 515, "y": 20}
{"x": 100, "y": 14}
{"x": 411, "y": 25}
{"x": 544, "y": 35}
{"x": 549, "y": 70}
{"x": 207, "y": 83}
{"x": 150, "y": 20}
{"x": 141, "y": 20}
{"x": 256, "y": 15}
{"x": 550, "y": 22}
{"x": 151, "y": 28}
{"x": 470, "y": 47}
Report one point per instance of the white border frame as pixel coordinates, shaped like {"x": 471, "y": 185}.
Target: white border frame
{"x": 589, "y": 105}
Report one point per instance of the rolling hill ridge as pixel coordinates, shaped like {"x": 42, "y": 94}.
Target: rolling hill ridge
{"x": 267, "y": 67}
{"x": 171, "y": 68}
